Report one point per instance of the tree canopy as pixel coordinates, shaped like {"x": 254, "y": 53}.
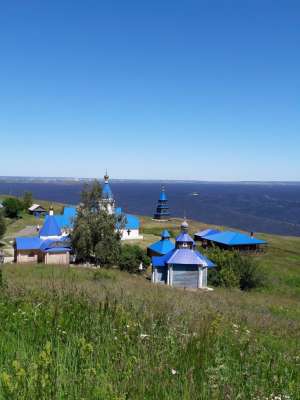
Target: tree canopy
{"x": 27, "y": 200}
{"x": 12, "y": 207}
{"x": 95, "y": 237}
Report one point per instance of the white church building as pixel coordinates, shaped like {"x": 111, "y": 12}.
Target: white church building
{"x": 131, "y": 230}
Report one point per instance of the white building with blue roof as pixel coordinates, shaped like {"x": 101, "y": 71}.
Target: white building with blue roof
{"x": 131, "y": 230}
{"x": 183, "y": 266}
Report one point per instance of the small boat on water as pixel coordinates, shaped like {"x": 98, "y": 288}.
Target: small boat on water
{"x": 195, "y": 194}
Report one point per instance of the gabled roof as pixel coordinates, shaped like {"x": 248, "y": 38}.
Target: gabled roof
{"x": 162, "y": 246}
{"x": 28, "y": 243}
{"x": 58, "y": 245}
{"x": 36, "y": 206}
{"x": 206, "y": 232}
{"x": 50, "y": 227}
{"x": 231, "y": 238}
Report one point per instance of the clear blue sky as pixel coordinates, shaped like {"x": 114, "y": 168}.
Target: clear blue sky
{"x": 150, "y": 89}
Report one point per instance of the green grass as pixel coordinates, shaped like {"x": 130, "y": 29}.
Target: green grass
{"x": 77, "y": 333}
{"x": 73, "y": 333}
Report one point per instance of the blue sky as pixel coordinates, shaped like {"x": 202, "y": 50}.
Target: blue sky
{"x": 158, "y": 89}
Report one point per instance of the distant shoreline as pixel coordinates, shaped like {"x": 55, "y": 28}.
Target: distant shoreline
{"x": 72, "y": 180}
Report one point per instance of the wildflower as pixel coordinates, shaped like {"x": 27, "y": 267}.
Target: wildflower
{"x": 173, "y": 371}
{"x": 143, "y": 335}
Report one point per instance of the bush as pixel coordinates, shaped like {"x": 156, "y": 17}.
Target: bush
{"x": 234, "y": 270}
{"x": 131, "y": 257}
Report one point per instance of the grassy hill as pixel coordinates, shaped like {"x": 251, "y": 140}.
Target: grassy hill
{"x": 77, "y": 333}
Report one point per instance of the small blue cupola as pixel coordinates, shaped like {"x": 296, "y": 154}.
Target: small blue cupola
{"x": 162, "y": 246}
{"x": 50, "y": 227}
{"x": 162, "y": 209}
{"x": 183, "y": 240}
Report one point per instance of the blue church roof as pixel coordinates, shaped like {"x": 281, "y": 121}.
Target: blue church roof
{"x": 132, "y": 222}
{"x": 163, "y": 196}
{"x": 49, "y": 245}
{"x": 183, "y": 257}
{"x": 28, "y": 243}
{"x": 184, "y": 237}
{"x": 162, "y": 246}
{"x": 231, "y": 238}
{"x": 50, "y": 227}
{"x": 66, "y": 220}
{"x": 107, "y": 192}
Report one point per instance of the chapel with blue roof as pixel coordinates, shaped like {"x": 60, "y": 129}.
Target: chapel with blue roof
{"x": 51, "y": 246}
{"x": 183, "y": 266}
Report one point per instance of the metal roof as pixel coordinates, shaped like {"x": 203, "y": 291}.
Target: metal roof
{"x": 183, "y": 257}
{"x": 184, "y": 238}
{"x": 162, "y": 246}
{"x": 28, "y": 243}
{"x": 206, "y": 232}
{"x": 231, "y": 238}
{"x": 50, "y": 227}
{"x": 132, "y": 222}
{"x": 107, "y": 192}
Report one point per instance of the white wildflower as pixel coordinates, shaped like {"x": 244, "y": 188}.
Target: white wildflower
{"x": 173, "y": 371}
{"x": 143, "y": 335}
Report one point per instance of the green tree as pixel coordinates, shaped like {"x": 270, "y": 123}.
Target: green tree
{"x": 95, "y": 237}
{"x": 27, "y": 200}
{"x": 2, "y": 225}
{"x": 131, "y": 258}
{"x": 12, "y": 207}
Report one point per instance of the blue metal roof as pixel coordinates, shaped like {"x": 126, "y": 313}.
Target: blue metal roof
{"x": 162, "y": 246}
{"x": 66, "y": 220}
{"x": 189, "y": 257}
{"x": 132, "y": 222}
{"x": 206, "y": 232}
{"x": 107, "y": 192}
{"x": 36, "y": 243}
{"x": 183, "y": 257}
{"x": 231, "y": 238}
{"x": 163, "y": 196}
{"x": 28, "y": 243}
{"x": 50, "y": 227}
{"x": 184, "y": 238}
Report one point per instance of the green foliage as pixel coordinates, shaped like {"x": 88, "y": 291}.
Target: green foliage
{"x": 12, "y": 207}
{"x": 131, "y": 257}
{"x": 73, "y": 348}
{"x": 94, "y": 237}
{"x": 234, "y": 270}
{"x": 27, "y": 200}
{"x": 2, "y": 225}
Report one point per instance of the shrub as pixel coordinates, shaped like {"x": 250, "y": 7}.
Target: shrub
{"x": 234, "y": 270}
{"x": 2, "y": 225}
{"x": 131, "y": 257}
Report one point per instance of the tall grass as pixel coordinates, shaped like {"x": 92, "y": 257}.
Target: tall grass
{"x": 64, "y": 344}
